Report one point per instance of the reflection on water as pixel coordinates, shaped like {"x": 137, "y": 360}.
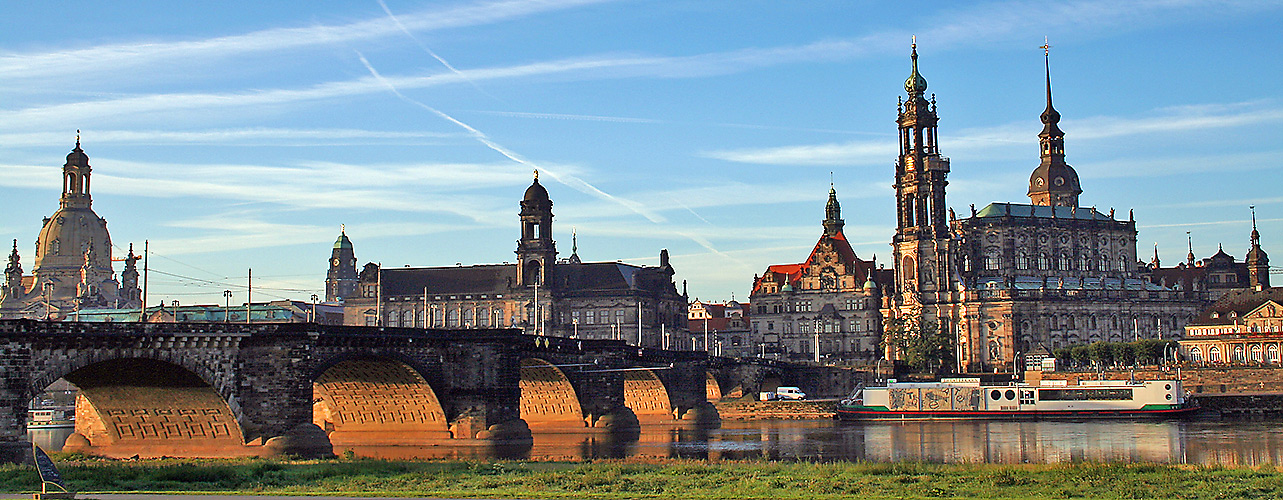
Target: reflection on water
{"x": 1206, "y": 442}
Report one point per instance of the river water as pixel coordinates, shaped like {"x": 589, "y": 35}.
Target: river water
{"x": 1204, "y": 442}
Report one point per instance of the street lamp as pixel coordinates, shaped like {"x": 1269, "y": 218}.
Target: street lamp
{"x": 46, "y": 290}
{"x": 227, "y": 306}
{"x": 314, "y": 299}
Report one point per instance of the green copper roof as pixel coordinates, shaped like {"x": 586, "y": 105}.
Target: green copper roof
{"x": 342, "y": 242}
{"x": 1040, "y": 211}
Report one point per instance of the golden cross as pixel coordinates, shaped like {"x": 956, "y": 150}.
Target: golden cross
{"x": 915, "y": 42}
{"x": 1046, "y": 47}
{"x": 536, "y": 174}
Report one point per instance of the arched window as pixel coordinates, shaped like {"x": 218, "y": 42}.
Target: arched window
{"x": 1214, "y": 354}
{"x": 1256, "y": 353}
{"x": 452, "y": 317}
{"x": 407, "y": 318}
{"x": 1044, "y": 263}
{"x": 393, "y": 318}
{"x": 1195, "y": 354}
{"x": 1122, "y": 263}
{"x": 1062, "y": 264}
{"x": 1085, "y": 263}
{"x": 467, "y": 317}
{"x": 1022, "y": 261}
{"x": 991, "y": 259}
{"x": 909, "y": 269}
{"x": 1104, "y": 262}
{"x": 1238, "y": 354}
{"x": 1272, "y": 353}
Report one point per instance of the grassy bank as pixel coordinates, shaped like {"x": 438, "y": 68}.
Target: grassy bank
{"x": 662, "y": 479}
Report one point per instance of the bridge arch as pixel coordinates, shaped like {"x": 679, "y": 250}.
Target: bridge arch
{"x": 548, "y": 399}
{"x": 372, "y": 400}
{"x": 646, "y": 395}
{"x": 148, "y": 407}
{"x": 712, "y": 389}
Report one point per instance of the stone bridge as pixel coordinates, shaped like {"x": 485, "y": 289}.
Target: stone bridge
{"x": 219, "y": 389}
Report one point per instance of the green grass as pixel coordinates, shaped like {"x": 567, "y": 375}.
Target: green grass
{"x": 660, "y": 479}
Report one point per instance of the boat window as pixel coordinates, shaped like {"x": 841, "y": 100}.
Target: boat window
{"x": 1011, "y": 394}
{"x": 1084, "y": 394}
{"x": 995, "y": 395}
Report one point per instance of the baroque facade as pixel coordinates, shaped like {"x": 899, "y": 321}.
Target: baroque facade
{"x": 1218, "y": 275}
{"x": 538, "y": 293}
{"x": 72, "y": 264}
{"x": 1015, "y": 277}
{"x": 826, "y": 308}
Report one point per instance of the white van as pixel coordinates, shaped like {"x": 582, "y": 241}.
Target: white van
{"x": 789, "y": 393}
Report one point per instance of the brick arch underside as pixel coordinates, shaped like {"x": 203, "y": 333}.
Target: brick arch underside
{"x": 712, "y": 390}
{"x": 646, "y": 396}
{"x": 151, "y": 408}
{"x": 548, "y": 399}
{"x": 366, "y": 402}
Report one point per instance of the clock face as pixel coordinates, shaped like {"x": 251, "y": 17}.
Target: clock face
{"x": 1060, "y": 181}
{"x": 336, "y": 262}
{"x": 1038, "y": 182}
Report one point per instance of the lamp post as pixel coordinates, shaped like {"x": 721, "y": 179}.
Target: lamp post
{"x": 314, "y": 299}
{"x": 575, "y": 322}
{"x": 877, "y": 369}
{"x": 46, "y": 290}
{"x": 227, "y": 306}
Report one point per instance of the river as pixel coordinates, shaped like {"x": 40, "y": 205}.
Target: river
{"x": 1204, "y": 442}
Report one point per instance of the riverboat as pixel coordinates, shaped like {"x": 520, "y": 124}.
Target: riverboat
{"x": 967, "y": 398}
{"x": 51, "y": 418}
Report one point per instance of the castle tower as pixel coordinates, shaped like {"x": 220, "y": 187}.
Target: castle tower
{"x": 833, "y": 222}
{"x": 12, "y": 278}
{"x": 536, "y": 251}
{"x": 1258, "y": 263}
{"x": 341, "y": 280}
{"x": 1054, "y": 182}
{"x": 922, "y": 246}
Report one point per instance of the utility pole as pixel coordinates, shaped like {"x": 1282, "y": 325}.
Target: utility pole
{"x": 425, "y": 307}
{"x": 639, "y": 323}
{"x": 378, "y": 297}
{"x": 249, "y": 295}
{"x": 142, "y": 312}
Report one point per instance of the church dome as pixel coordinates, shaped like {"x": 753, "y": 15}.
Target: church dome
{"x": 536, "y": 192}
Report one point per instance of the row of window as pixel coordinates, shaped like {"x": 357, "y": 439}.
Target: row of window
{"x": 1044, "y": 262}
{"x": 852, "y": 304}
{"x": 825, "y": 326}
{"x": 1253, "y": 354}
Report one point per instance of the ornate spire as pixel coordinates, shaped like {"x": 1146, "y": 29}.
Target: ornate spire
{"x": 1054, "y": 182}
{"x": 916, "y": 84}
{"x": 1189, "y": 259}
{"x": 1258, "y": 263}
{"x": 833, "y": 222}
{"x": 1157, "y": 264}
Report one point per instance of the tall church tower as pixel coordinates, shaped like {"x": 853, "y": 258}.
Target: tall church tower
{"x": 536, "y": 251}
{"x": 922, "y": 246}
{"x": 341, "y": 280}
{"x": 1054, "y": 182}
{"x": 1258, "y": 263}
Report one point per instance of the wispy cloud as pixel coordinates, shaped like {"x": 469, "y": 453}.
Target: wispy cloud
{"x": 241, "y": 136}
{"x": 966, "y": 28}
{"x": 566, "y": 178}
{"x": 123, "y": 56}
{"x": 1019, "y": 135}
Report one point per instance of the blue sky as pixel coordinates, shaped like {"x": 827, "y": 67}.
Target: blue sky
{"x": 237, "y": 135}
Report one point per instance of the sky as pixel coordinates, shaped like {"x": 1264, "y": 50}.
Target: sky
{"x": 240, "y": 135}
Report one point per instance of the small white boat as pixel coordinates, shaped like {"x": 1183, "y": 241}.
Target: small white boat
{"x": 51, "y": 418}
{"x": 966, "y": 398}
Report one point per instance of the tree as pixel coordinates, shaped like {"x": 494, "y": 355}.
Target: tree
{"x": 924, "y": 347}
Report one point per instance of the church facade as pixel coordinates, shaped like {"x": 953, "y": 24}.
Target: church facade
{"x": 72, "y": 262}
{"x": 538, "y": 293}
{"x": 1013, "y": 277}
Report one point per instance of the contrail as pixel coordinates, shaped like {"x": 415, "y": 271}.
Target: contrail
{"x": 429, "y": 51}
{"x": 567, "y": 179}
